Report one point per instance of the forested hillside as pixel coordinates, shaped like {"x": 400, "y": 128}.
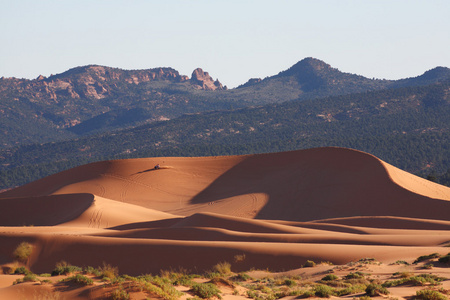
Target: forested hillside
{"x": 94, "y": 99}
{"x": 408, "y": 127}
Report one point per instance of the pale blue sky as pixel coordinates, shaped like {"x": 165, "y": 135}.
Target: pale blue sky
{"x": 233, "y": 40}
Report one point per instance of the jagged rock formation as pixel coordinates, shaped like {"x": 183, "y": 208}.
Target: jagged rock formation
{"x": 204, "y": 81}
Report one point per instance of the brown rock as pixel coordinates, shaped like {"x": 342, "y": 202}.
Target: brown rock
{"x": 205, "y": 81}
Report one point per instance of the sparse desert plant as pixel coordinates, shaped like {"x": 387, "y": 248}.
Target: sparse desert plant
{"x": 309, "y": 264}
{"x": 223, "y": 268}
{"x": 330, "y": 277}
{"x": 64, "y": 268}
{"x": 239, "y": 258}
{"x": 92, "y": 271}
{"x": 445, "y": 259}
{"x": 365, "y": 298}
{"x": 428, "y": 266}
{"x": 108, "y": 272}
{"x": 430, "y": 295}
{"x": 289, "y": 282}
{"x": 241, "y": 277}
{"x": 22, "y": 270}
{"x": 120, "y": 294}
{"x": 30, "y": 277}
{"x": 80, "y": 279}
{"x": 23, "y": 252}
{"x": 403, "y": 274}
{"x": 401, "y": 262}
{"x": 206, "y": 290}
{"x": 355, "y": 275}
{"x": 45, "y": 275}
{"x": 323, "y": 291}
{"x": 426, "y": 257}
{"x": 374, "y": 289}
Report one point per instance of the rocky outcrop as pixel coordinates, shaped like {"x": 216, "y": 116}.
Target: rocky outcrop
{"x": 250, "y": 82}
{"x": 204, "y": 81}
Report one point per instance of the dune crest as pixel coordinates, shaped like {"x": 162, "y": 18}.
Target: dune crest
{"x": 330, "y": 204}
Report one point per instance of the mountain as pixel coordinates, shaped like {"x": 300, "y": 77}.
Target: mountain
{"x": 407, "y": 127}
{"x": 94, "y": 99}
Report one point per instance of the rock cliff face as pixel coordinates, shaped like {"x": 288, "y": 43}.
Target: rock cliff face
{"x": 204, "y": 81}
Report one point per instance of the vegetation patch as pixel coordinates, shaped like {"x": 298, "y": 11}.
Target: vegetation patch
{"x": 426, "y": 257}
{"x": 80, "y": 279}
{"x": 430, "y": 295}
{"x": 206, "y": 290}
{"x": 64, "y": 268}
{"x": 23, "y": 252}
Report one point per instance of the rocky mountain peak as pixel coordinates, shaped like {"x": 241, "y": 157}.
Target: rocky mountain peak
{"x": 205, "y": 81}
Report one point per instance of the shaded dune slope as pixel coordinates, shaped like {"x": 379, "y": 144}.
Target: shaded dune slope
{"x": 278, "y": 209}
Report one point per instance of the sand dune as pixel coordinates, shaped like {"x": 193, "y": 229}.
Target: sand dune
{"x": 279, "y": 209}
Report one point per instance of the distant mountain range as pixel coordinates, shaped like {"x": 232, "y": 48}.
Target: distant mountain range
{"x": 97, "y": 112}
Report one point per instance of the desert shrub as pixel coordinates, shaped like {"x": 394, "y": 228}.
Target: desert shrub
{"x": 323, "y": 291}
{"x": 352, "y": 289}
{"x": 418, "y": 280}
{"x": 289, "y": 282}
{"x": 426, "y": 257}
{"x": 355, "y": 275}
{"x": 120, "y": 294}
{"x": 445, "y": 259}
{"x": 45, "y": 275}
{"x": 64, "y": 268}
{"x": 365, "y": 298}
{"x": 221, "y": 280}
{"x": 23, "y": 252}
{"x": 403, "y": 274}
{"x": 108, "y": 272}
{"x": 30, "y": 277}
{"x": 309, "y": 264}
{"x": 241, "y": 277}
{"x": 401, "y": 262}
{"x": 330, "y": 277}
{"x": 92, "y": 271}
{"x": 223, "y": 268}
{"x": 430, "y": 295}
{"x": 239, "y": 258}
{"x": 374, "y": 289}
{"x": 206, "y": 290}
{"x": 22, "y": 270}
{"x": 80, "y": 279}
{"x": 428, "y": 266}
{"x": 368, "y": 261}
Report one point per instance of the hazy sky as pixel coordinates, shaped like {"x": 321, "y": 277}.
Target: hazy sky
{"x": 232, "y": 40}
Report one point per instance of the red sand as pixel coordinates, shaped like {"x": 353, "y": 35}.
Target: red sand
{"x": 280, "y": 209}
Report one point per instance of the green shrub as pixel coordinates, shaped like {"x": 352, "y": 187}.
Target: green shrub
{"x": 92, "y": 271}
{"x": 80, "y": 279}
{"x": 241, "y": 277}
{"x": 323, "y": 291}
{"x": 120, "y": 294}
{"x": 376, "y": 290}
{"x": 63, "y": 268}
{"x": 206, "y": 290}
{"x": 355, "y": 275}
{"x": 445, "y": 259}
{"x": 309, "y": 264}
{"x": 365, "y": 298}
{"x": 23, "y": 252}
{"x": 330, "y": 277}
{"x": 223, "y": 268}
{"x": 22, "y": 270}
{"x": 430, "y": 295}
{"x": 45, "y": 275}
{"x": 289, "y": 282}
{"x": 30, "y": 277}
{"x": 426, "y": 257}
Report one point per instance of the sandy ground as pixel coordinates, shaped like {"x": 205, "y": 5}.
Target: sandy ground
{"x": 279, "y": 210}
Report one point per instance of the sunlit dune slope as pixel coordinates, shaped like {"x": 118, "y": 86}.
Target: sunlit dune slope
{"x": 276, "y": 210}
{"x": 301, "y": 185}
{"x": 76, "y": 210}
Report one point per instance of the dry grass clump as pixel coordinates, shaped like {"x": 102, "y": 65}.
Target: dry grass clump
{"x": 430, "y": 295}
{"x": 223, "y": 268}
{"x": 23, "y": 252}
{"x": 79, "y": 279}
{"x": 108, "y": 272}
